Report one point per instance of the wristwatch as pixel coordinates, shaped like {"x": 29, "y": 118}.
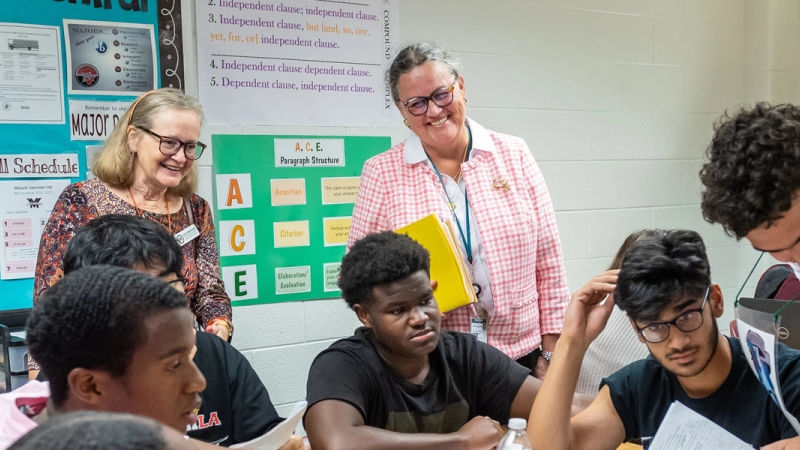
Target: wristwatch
{"x": 545, "y": 354}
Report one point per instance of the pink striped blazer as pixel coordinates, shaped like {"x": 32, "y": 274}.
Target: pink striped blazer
{"x": 517, "y": 227}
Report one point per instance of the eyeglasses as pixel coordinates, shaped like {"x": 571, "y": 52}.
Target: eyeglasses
{"x": 442, "y": 97}
{"x": 687, "y": 322}
{"x": 171, "y": 146}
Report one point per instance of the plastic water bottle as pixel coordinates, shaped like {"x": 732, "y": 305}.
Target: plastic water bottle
{"x": 516, "y": 438}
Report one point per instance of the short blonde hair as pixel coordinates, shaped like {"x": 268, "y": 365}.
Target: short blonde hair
{"x": 114, "y": 165}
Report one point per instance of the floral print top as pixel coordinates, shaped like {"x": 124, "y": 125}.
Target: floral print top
{"x": 81, "y": 202}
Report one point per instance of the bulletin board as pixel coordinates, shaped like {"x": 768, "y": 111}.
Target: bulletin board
{"x": 68, "y": 71}
{"x": 283, "y": 212}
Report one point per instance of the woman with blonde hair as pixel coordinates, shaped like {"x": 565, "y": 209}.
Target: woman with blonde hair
{"x": 146, "y": 169}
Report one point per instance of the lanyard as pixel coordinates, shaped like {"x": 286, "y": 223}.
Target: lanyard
{"x": 466, "y": 240}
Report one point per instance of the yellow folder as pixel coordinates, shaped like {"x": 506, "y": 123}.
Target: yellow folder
{"x": 448, "y": 268}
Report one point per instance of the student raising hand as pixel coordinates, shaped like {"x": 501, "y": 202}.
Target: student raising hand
{"x": 586, "y": 314}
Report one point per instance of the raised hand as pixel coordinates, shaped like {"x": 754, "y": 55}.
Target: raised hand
{"x": 587, "y": 314}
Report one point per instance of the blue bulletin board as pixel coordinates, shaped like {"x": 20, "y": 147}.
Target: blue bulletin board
{"x": 101, "y": 28}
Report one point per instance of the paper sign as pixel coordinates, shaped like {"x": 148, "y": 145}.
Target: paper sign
{"x": 309, "y": 153}
{"x": 291, "y": 234}
{"x": 336, "y": 191}
{"x": 289, "y": 280}
{"x": 234, "y": 191}
{"x": 241, "y": 282}
{"x": 25, "y": 208}
{"x": 330, "y": 272}
{"x": 94, "y": 121}
{"x": 288, "y": 191}
{"x": 32, "y": 89}
{"x": 61, "y": 165}
{"x": 237, "y": 237}
{"x": 336, "y": 230}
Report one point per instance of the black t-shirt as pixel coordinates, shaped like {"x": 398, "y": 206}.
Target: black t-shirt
{"x": 466, "y": 379}
{"x": 643, "y": 391}
{"x": 236, "y": 406}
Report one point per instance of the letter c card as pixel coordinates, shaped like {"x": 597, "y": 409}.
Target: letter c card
{"x": 237, "y": 237}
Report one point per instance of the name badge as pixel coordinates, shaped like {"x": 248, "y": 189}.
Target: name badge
{"x": 477, "y": 327}
{"x": 188, "y": 233}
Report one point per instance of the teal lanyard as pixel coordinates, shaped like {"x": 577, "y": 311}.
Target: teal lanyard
{"x": 467, "y": 241}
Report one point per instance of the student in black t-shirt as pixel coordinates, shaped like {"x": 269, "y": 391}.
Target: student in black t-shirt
{"x": 235, "y": 404}
{"x": 665, "y": 287}
{"x": 400, "y": 382}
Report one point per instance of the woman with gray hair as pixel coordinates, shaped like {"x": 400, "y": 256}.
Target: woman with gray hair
{"x": 146, "y": 168}
{"x": 489, "y": 186}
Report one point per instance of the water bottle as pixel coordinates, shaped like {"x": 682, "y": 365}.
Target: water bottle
{"x": 516, "y": 438}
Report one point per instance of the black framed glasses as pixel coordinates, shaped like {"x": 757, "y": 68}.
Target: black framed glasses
{"x": 170, "y": 145}
{"x": 687, "y": 322}
{"x": 441, "y": 97}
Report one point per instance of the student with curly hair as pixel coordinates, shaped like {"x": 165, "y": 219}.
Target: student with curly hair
{"x": 752, "y": 179}
{"x": 400, "y": 382}
{"x": 91, "y": 430}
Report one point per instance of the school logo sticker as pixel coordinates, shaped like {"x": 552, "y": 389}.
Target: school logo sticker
{"x": 87, "y": 75}
{"x": 101, "y": 47}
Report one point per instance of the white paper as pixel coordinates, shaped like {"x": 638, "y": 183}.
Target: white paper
{"x": 279, "y": 435}
{"x": 26, "y": 206}
{"x": 45, "y": 165}
{"x": 684, "y": 429}
{"x": 31, "y": 90}
{"x": 301, "y": 62}
{"x": 93, "y": 120}
{"x": 762, "y": 345}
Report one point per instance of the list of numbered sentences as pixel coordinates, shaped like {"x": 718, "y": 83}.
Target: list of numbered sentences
{"x": 302, "y": 27}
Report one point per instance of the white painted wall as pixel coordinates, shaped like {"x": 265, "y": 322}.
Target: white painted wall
{"x": 616, "y": 99}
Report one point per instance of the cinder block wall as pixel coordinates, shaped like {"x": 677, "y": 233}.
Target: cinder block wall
{"x": 616, "y": 99}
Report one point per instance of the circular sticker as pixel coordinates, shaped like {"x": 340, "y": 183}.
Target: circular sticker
{"x": 87, "y": 75}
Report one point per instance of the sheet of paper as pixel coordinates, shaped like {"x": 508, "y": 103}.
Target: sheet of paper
{"x": 31, "y": 89}
{"x": 684, "y": 429}
{"x": 277, "y": 436}
{"x": 24, "y": 210}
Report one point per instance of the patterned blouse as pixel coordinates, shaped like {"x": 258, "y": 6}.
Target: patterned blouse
{"x": 81, "y": 202}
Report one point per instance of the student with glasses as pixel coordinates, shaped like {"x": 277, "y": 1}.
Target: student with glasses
{"x": 489, "y": 186}
{"x": 665, "y": 288}
{"x": 146, "y": 169}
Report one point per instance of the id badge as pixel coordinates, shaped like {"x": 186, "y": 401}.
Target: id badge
{"x": 477, "y": 327}
{"x": 187, "y": 234}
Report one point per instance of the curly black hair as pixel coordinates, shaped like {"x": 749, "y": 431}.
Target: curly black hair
{"x": 752, "y": 176}
{"x": 126, "y": 241}
{"x": 93, "y": 430}
{"x": 379, "y": 258}
{"x": 94, "y": 319}
{"x": 660, "y": 270}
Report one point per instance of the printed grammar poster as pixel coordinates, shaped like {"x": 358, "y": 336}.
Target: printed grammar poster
{"x": 301, "y": 62}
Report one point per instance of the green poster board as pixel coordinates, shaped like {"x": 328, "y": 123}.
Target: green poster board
{"x": 282, "y": 211}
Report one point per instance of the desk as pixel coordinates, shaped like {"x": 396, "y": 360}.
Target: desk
{"x": 629, "y": 447}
